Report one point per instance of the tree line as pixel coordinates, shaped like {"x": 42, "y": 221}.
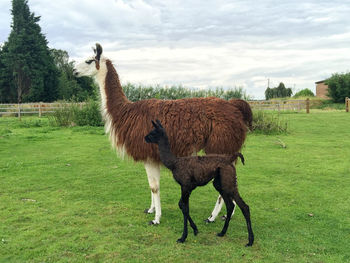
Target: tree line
{"x": 338, "y": 89}
{"x": 278, "y": 92}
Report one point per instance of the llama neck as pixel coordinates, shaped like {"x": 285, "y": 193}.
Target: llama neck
{"x": 166, "y": 156}
{"x": 112, "y": 94}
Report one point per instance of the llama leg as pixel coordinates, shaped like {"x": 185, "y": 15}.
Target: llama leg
{"x": 223, "y": 179}
{"x": 153, "y": 175}
{"x": 245, "y": 210}
{"x": 216, "y": 210}
{"x": 219, "y": 203}
{"x": 193, "y": 225}
{"x": 234, "y": 209}
{"x": 152, "y": 208}
{"x": 183, "y": 205}
{"x": 229, "y": 208}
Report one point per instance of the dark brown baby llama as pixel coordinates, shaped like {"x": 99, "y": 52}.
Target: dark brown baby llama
{"x": 194, "y": 171}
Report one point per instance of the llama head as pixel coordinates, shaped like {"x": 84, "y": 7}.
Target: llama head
{"x": 156, "y": 134}
{"x": 91, "y": 66}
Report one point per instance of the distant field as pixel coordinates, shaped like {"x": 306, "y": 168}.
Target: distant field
{"x": 66, "y": 197}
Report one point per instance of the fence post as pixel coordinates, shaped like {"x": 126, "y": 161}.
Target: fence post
{"x": 19, "y": 110}
{"x": 39, "y": 109}
{"x": 347, "y": 104}
{"x": 307, "y": 105}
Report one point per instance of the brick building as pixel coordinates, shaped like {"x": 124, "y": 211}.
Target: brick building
{"x": 321, "y": 89}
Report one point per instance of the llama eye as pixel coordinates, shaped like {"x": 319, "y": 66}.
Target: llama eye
{"x": 89, "y": 61}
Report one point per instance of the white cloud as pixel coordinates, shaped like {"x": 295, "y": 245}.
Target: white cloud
{"x": 203, "y": 44}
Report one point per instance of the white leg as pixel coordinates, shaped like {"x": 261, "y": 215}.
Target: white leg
{"x": 234, "y": 208}
{"x": 216, "y": 210}
{"x": 218, "y": 205}
{"x": 152, "y": 208}
{"x": 153, "y": 175}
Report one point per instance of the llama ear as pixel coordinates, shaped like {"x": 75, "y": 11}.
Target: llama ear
{"x": 159, "y": 124}
{"x": 98, "y": 51}
{"x": 154, "y": 124}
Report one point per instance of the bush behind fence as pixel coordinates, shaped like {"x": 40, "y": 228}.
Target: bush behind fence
{"x": 139, "y": 92}
{"x": 75, "y": 114}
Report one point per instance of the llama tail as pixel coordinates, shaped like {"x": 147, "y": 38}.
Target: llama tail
{"x": 246, "y": 111}
{"x": 236, "y": 155}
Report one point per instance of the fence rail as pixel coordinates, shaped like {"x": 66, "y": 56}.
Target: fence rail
{"x": 285, "y": 105}
{"x": 39, "y": 109}
{"x": 276, "y": 105}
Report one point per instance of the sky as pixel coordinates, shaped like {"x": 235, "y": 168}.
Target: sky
{"x": 203, "y": 44}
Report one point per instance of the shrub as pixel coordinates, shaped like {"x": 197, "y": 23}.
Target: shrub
{"x": 330, "y": 105}
{"x": 87, "y": 114}
{"x": 268, "y": 123}
{"x": 62, "y": 116}
{"x": 304, "y": 93}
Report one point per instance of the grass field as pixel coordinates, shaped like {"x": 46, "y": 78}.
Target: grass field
{"x": 66, "y": 197}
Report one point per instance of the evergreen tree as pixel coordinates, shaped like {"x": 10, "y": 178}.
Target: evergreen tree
{"x": 7, "y": 89}
{"x": 28, "y": 65}
{"x": 268, "y": 93}
{"x": 280, "y": 90}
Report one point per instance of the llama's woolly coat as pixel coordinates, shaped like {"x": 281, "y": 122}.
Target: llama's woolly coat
{"x": 196, "y": 171}
{"x": 212, "y": 124}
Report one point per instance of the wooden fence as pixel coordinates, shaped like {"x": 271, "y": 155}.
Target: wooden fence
{"x": 285, "y": 105}
{"x": 41, "y": 108}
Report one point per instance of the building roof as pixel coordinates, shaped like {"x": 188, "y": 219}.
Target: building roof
{"x": 321, "y": 81}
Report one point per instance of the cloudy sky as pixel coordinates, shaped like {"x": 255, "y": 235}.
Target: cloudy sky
{"x": 203, "y": 43}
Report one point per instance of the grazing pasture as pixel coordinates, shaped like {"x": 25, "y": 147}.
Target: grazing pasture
{"x": 66, "y": 197}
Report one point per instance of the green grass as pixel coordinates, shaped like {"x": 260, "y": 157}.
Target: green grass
{"x": 66, "y": 197}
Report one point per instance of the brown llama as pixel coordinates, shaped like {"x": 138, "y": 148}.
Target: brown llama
{"x": 210, "y": 124}
{"x": 194, "y": 171}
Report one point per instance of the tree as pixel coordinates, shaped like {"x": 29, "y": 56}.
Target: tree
{"x": 268, "y": 93}
{"x": 28, "y": 67}
{"x": 69, "y": 87}
{"x": 7, "y": 89}
{"x": 339, "y": 86}
{"x": 278, "y": 92}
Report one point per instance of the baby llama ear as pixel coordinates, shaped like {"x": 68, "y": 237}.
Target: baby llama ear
{"x": 154, "y": 124}
{"x": 159, "y": 124}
